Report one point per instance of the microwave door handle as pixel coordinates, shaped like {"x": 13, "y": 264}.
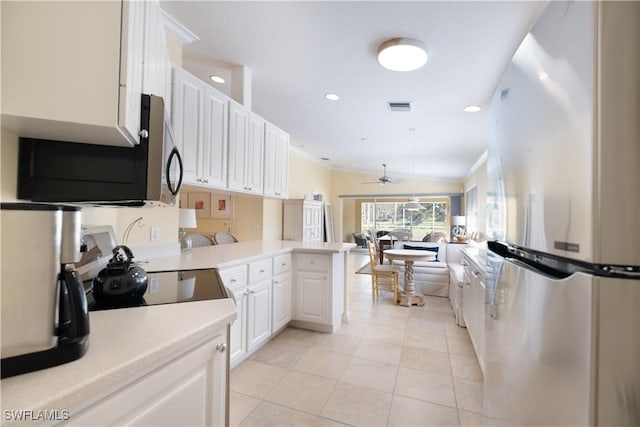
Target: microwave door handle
{"x": 176, "y": 153}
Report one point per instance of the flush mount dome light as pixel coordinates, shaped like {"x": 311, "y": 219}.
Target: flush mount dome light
{"x": 216, "y": 79}
{"x": 402, "y": 54}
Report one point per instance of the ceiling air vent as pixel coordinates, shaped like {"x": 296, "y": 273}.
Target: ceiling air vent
{"x": 399, "y": 106}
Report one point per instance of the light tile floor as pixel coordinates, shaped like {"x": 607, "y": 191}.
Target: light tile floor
{"x": 390, "y": 366}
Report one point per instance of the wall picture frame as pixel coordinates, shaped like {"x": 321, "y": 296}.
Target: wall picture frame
{"x": 221, "y": 206}
{"x": 201, "y": 202}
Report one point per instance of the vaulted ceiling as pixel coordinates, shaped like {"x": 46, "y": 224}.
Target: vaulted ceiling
{"x": 298, "y": 51}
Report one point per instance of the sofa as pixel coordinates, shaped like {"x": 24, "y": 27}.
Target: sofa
{"x": 433, "y": 277}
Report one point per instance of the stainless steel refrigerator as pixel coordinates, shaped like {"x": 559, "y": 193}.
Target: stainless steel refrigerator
{"x": 562, "y": 303}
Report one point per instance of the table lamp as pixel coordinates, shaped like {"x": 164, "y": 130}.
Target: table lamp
{"x": 458, "y": 222}
{"x": 186, "y": 219}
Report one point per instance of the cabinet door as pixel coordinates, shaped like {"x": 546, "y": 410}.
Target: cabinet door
{"x": 311, "y": 297}
{"x": 131, "y": 68}
{"x": 281, "y": 300}
{"x": 254, "y": 155}
{"x": 282, "y": 165}
{"x": 187, "y": 121}
{"x": 258, "y": 314}
{"x": 276, "y": 162}
{"x": 270, "y": 160}
{"x": 238, "y": 124}
{"x": 214, "y": 144}
{"x": 237, "y": 334}
{"x": 156, "y": 58}
{"x": 190, "y": 390}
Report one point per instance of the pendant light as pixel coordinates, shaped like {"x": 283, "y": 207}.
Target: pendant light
{"x": 414, "y": 203}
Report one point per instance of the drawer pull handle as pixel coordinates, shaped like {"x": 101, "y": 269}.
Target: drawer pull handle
{"x": 233, "y": 280}
{"x": 222, "y": 347}
{"x": 261, "y": 271}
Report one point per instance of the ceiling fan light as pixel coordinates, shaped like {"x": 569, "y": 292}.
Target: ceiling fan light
{"x": 402, "y": 54}
{"x": 414, "y": 205}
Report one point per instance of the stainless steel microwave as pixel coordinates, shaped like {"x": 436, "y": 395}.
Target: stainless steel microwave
{"x": 150, "y": 172}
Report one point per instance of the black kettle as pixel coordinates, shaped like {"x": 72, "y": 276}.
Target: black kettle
{"x": 121, "y": 283}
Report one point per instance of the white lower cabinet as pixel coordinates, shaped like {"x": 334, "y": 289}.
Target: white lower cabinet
{"x": 311, "y": 301}
{"x": 474, "y": 306}
{"x": 251, "y": 285}
{"x": 258, "y": 314}
{"x": 188, "y": 390}
{"x": 318, "y": 290}
{"x": 282, "y": 291}
{"x": 237, "y": 334}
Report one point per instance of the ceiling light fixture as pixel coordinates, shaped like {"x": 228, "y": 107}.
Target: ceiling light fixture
{"x": 216, "y": 79}
{"x": 402, "y": 54}
{"x": 414, "y": 203}
{"x": 472, "y": 108}
{"x": 332, "y": 96}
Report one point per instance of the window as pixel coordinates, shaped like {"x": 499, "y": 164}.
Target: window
{"x": 471, "y": 203}
{"x": 388, "y": 215}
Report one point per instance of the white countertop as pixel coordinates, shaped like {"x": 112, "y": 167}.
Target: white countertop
{"x": 126, "y": 341}
{"x": 121, "y": 342}
{"x": 236, "y": 253}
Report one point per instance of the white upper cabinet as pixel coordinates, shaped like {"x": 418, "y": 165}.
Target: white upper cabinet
{"x": 254, "y": 156}
{"x": 246, "y": 150}
{"x": 214, "y": 145}
{"x": 73, "y": 71}
{"x": 131, "y": 68}
{"x": 276, "y": 162}
{"x": 200, "y": 116}
{"x": 238, "y": 126}
{"x": 188, "y": 102}
{"x": 156, "y": 56}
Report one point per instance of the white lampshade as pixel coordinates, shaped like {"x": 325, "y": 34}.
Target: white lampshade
{"x": 187, "y": 218}
{"x": 458, "y": 220}
{"x": 402, "y": 54}
{"x": 413, "y": 205}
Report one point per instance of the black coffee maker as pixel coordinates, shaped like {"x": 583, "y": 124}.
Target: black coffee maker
{"x": 45, "y": 321}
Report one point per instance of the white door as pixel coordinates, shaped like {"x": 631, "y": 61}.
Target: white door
{"x": 238, "y": 124}
{"x": 259, "y": 314}
{"x": 187, "y": 121}
{"x": 214, "y": 144}
{"x": 281, "y": 300}
{"x": 237, "y": 334}
{"x": 310, "y": 297}
{"x": 255, "y": 155}
{"x": 131, "y": 68}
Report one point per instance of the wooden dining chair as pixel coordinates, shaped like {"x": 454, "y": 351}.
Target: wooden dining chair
{"x": 383, "y": 277}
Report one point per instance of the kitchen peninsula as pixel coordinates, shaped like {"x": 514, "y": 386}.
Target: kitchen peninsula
{"x": 144, "y": 361}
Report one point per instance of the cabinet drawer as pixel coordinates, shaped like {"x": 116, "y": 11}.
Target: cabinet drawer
{"x": 282, "y": 263}
{"x": 234, "y": 277}
{"x": 312, "y": 262}
{"x": 260, "y": 270}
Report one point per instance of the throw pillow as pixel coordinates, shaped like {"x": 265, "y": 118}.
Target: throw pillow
{"x": 422, "y": 248}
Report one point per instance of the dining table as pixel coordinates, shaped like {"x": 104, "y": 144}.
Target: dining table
{"x": 408, "y": 295}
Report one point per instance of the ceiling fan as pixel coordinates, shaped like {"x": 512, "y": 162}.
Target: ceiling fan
{"x": 384, "y": 179}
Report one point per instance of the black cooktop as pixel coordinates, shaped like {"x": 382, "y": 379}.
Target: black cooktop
{"x": 169, "y": 287}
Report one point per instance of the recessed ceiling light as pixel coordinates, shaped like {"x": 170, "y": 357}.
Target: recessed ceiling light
{"x": 331, "y": 96}
{"x": 472, "y": 108}
{"x": 543, "y": 76}
{"x": 402, "y": 54}
{"x": 217, "y": 79}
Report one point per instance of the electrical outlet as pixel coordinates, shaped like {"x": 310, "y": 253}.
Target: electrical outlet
{"x": 155, "y": 234}
{"x": 153, "y": 285}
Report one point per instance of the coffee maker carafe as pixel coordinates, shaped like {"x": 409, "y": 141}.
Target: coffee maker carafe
{"x": 45, "y": 321}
